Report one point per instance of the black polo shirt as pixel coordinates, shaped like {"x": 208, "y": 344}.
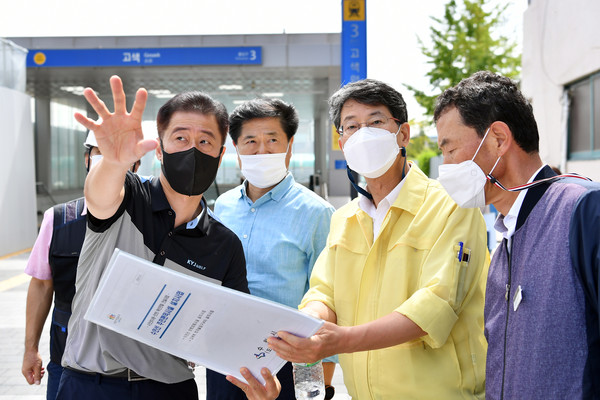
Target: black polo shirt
{"x": 203, "y": 246}
{"x": 144, "y": 226}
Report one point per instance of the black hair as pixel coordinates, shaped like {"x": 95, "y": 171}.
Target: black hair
{"x": 263, "y": 108}
{"x": 193, "y": 101}
{"x": 368, "y": 91}
{"x": 484, "y": 98}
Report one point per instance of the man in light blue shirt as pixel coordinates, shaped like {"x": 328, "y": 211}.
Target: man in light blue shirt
{"x": 283, "y": 225}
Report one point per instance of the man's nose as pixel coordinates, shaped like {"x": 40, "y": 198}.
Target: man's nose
{"x": 262, "y": 148}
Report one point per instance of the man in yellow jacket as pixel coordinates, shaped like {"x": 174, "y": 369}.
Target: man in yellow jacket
{"x": 401, "y": 280}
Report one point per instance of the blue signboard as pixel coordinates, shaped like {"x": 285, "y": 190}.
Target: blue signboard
{"x": 340, "y": 164}
{"x": 354, "y": 40}
{"x": 137, "y": 57}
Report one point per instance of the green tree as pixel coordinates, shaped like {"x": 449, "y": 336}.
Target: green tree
{"x": 463, "y": 42}
{"x": 421, "y": 149}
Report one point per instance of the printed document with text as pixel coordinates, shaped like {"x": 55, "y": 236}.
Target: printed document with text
{"x": 202, "y": 322}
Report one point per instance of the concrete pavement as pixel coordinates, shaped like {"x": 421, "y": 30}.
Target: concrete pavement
{"x": 13, "y": 292}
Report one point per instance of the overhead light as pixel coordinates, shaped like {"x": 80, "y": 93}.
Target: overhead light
{"x": 230, "y": 87}
{"x": 238, "y": 102}
{"x": 164, "y": 96}
{"x": 160, "y": 92}
{"x": 76, "y": 90}
{"x": 273, "y": 94}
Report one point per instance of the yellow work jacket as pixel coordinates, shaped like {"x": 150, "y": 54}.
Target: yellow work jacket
{"x": 413, "y": 268}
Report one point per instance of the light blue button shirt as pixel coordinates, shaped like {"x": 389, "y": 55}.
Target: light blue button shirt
{"x": 283, "y": 233}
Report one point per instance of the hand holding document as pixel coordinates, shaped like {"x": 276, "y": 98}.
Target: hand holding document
{"x": 207, "y": 324}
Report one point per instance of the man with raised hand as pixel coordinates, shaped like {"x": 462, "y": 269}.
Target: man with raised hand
{"x": 164, "y": 220}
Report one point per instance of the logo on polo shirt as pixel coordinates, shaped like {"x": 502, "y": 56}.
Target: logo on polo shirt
{"x": 196, "y": 265}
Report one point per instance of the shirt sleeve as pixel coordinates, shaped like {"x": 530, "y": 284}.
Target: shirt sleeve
{"x": 447, "y": 283}
{"x": 37, "y": 265}
{"x": 318, "y": 238}
{"x": 584, "y": 246}
{"x": 321, "y": 280}
{"x": 319, "y": 244}
{"x": 133, "y": 191}
{"x": 236, "y": 273}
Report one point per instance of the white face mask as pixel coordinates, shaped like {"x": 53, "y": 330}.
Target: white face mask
{"x": 465, "y": 182}
{"x": 371, "y": 151}
{"x": 94, "y": 160}
{"x": 264, "y": 170}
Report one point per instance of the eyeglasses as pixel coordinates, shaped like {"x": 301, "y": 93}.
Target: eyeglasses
{"x": 350, "y": 127}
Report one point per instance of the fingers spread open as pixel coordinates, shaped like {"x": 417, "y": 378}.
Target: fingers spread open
{"x": 116, "y": 85}
{"x": 141, "y": 97}
{"x": 97, "y": 104}
{"x": 85, "y": 121}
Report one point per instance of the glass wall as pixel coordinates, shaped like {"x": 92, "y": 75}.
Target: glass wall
{"x": 68, "y": 136}
{"x": 66, "y": 147}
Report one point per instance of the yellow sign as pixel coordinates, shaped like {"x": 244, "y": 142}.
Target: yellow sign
{"x": 334, "y": 139}
{"x": 354, "y": 10}
{"x": 39, "y": 58}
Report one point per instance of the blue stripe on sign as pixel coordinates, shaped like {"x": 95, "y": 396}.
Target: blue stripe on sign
{"x": 175, "y": 316}
{"x": 152, "y": 306}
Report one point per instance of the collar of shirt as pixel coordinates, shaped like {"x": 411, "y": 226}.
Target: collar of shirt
{"x": 378, "y": 213}
{"x": 274, "y": 194}
{"x": 506, "y": 224}
{"x": 160, "y": 203}
{"x": 413, "y": 193}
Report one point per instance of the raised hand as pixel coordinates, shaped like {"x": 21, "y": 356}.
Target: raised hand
{"x": 121, "y": 142}
{"x": 119, "y": 134}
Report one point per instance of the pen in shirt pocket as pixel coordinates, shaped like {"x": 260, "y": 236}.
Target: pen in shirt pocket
{"x": 464, "y": 254}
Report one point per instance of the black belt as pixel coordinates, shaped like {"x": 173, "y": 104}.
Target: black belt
{"x": 127, "y": 374}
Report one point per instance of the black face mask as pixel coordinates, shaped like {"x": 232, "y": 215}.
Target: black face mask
{"x": 190, "y": 172}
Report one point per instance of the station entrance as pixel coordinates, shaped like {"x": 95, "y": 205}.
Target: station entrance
{"x": 300, "y": 69}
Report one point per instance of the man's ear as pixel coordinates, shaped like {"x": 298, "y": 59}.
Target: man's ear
{"x": 221, "y": 156}
{"x": 158, "y": 151}
{"x": 288, "y": 156}
{"x": 404, "y": 135}
{"x": 502, "y": 137}
{"x": 237, "y": 154}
